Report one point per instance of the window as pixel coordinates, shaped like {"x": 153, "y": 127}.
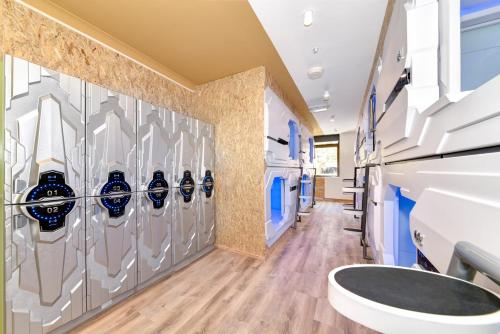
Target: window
{"x": 327, "y": 159}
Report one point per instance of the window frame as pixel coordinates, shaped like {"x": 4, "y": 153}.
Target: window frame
{"x": 337, "y": 145}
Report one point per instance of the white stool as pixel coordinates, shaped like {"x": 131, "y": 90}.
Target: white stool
{"x": 402, "y": 300}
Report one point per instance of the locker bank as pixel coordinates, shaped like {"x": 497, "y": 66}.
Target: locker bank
{"x": 250, "y": 166}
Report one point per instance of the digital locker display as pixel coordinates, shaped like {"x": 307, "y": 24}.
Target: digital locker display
{"x": 158, "y": 189}
{"x": 51, "y": 187}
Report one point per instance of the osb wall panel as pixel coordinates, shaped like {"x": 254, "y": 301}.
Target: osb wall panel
{"x": 304, "y": 116}
{"x": 236, "y": 106}
{"x": 29, "y": 35}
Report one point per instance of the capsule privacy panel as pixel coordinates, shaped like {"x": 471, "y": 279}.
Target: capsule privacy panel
{"x": 205, "y": 166}
{"x": 44, "y": 270}
{"x": 111, "y": 138}
{"x": 44, "y": 128}
{"x": 185, "y": 198}
{"x": 155, "y": 167}
{"x": 111, "y": 251}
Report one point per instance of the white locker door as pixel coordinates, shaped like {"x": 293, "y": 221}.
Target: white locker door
{"x": 185, "y": 198}
{"x": 111, "y": 179}
{"x": 155, "y": 166}
{"x": 44, "y": 241}
{"x": 205, "y": 170}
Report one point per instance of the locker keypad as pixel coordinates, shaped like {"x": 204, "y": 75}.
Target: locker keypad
{"x": 207, "y": 185}
{"x": 154, "y": 194}
{"x": 186, "y": 186}
{"x": 51, "y": 215}
{"x": 116, "y": 184}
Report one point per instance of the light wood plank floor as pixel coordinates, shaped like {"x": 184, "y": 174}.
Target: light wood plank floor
{"x": 229, "y": 293}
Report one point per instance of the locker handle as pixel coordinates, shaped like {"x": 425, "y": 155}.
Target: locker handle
{"x": 279, "y": 140}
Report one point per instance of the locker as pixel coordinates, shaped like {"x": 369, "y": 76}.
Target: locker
{"x": 155, "y": 167}
{"x": 184, "y": 197}
{"x": 44, "y": 214}
{"x": 40, "y": 102}
{"x": 111, "y": 137}
{"x": 45, "y": 272}
{"x": 111, "y": 206}
{"x": 111, "y": 250}
{"x": 205, "y": 171}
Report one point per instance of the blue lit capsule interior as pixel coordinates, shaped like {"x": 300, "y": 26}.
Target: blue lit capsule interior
{"x": 277, "y": 199}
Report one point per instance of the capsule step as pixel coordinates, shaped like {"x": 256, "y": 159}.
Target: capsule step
{"x": 353, "y": 189}
{"x": 353, "y": 212}
{"x": 303, "y": 213}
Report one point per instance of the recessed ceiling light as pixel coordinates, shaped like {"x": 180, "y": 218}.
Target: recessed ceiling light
{"x": 315, "y": 72}
{"x": 319, "y": 108}
{"x": 308, "y": 18}
{"x": 326, "y": 95}
{"x": 332, "y": 119}
{"x": 315, "y": 50}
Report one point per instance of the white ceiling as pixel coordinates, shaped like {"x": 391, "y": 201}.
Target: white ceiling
{"x": 346, "y": 33}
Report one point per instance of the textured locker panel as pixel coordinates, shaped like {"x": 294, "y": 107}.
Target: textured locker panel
{"x": 155, "y": 165}
{"x": 46, "y": 282}
{"x": 111, "y": 251}
{"x": 111, "y": 138}
{"x": 154, "y": 143}
{"x": 205, "y": 165}
{"x": 154, "y": 239}
{"x": 184, "y": 196}
{"x": 44, "y": 128}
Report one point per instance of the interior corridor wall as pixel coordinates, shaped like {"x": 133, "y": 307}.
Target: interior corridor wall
{"x": 333, "y": 185}
{"x": 235, "y": 105}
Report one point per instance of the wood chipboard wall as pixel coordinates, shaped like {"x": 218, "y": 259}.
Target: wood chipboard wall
{"x": 235, "y": 105}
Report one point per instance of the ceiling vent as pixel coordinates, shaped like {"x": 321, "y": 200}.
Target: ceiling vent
{"x": 315, "y": 72}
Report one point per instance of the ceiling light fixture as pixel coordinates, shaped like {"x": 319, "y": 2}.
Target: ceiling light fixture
{"x": 315, "y": 72}
{"x": 315, "y": 50}
{"x": 326, "y": 95}
{"x": 319, "y": 108}
{"x": 308, "y": 18}
{"x": 332, "y": 119}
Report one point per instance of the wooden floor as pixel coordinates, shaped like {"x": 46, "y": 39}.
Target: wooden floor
{"x": 229, "y": 293}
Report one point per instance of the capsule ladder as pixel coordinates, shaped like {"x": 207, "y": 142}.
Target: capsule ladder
{"x": 300, "y": 197}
